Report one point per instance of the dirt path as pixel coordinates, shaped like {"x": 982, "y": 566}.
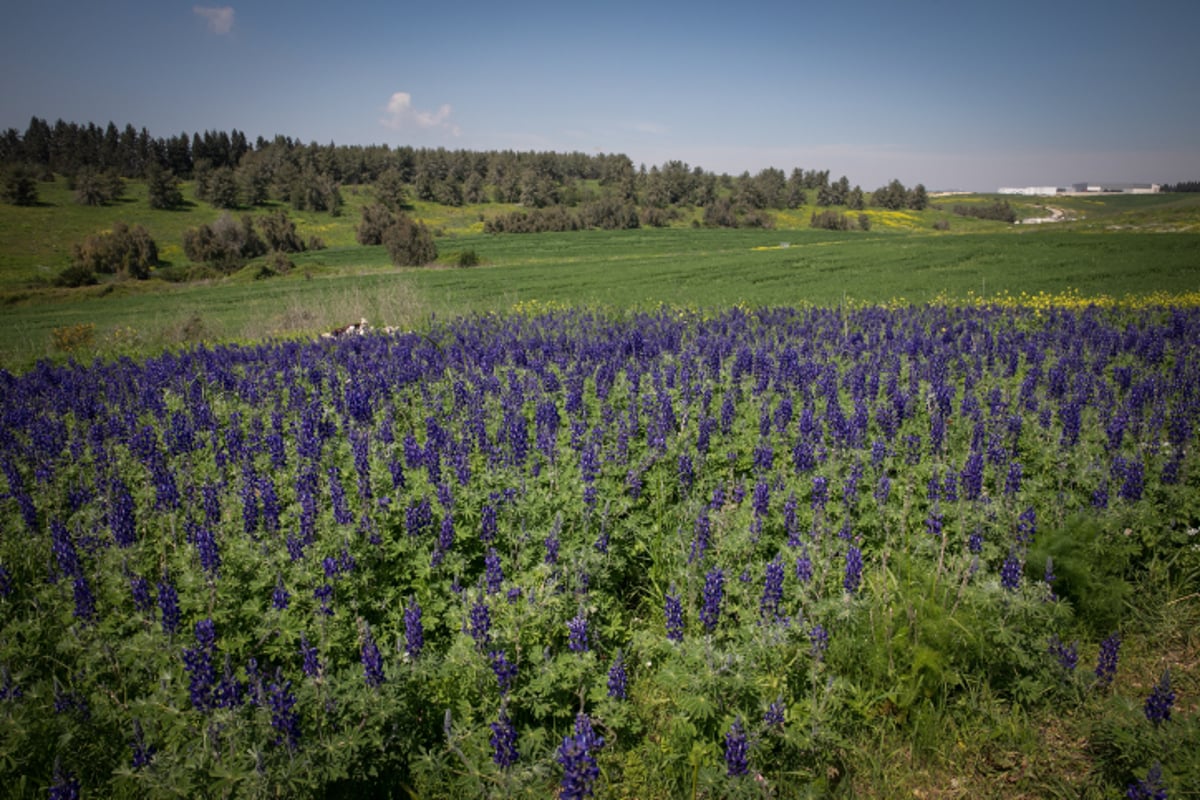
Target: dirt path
{"x": 1056, "y": 215}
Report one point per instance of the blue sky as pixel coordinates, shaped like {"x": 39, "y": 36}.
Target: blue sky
{"x": 966, "y": 94}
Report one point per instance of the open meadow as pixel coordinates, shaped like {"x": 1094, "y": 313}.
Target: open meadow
{"x": 657, "y": 513}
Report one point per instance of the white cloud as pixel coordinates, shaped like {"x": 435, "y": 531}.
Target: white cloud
{"x": 220, "y": 18}
{"x": 401, "y": 115}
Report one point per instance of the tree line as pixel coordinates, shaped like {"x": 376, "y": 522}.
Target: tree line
{"x": 229, "y": 171}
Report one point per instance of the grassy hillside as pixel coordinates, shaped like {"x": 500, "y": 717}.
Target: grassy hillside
{"x": 1113, "y": 245}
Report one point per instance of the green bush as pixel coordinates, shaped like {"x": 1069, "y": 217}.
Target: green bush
{"x": 126, "y": 251}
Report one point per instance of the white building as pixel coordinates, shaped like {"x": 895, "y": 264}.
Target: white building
{"x": 1030, "y": 190}
{"x": 1118, "y": 187}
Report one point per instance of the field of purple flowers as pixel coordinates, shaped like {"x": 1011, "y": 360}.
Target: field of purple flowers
{"x": 566, "y": 554}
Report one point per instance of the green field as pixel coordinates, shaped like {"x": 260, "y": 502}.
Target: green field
{"x": 1116, "y": 246}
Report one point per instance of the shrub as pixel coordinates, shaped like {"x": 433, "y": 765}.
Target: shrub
{"x": 757, "y": 219}
{"x": 720, "y": 214}
{"x": 467, "y": 258}
{"x": 225, "y": 245}
{"x": 162, "y": 188}
{"x": 998, "y": 210}
{"x": 941, "y": 225}
{"x": 94, "y": 188}
{"x": 610, "y": 214}
{"x": 376, "y": 218}
{"x": 70, "y": 338}
{"x": 19, "y": 187}
{"x": 125, "y": 251}
{"x": 75, "y": 275}
{"x": 830, "y": 221}
{"x": 409, "y": 243}
{"x": 279, "y": 233}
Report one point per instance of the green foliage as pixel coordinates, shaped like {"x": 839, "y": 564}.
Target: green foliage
{"x": 997, "y": 210}
{"x": 467, "y": 258}
{"x": 1090, "y": 568}
{"x": 162, "y": 188}
{"x": 376, "y": 218}
{"x": 18, "y": 186}
{"x": 279, "y": 232}
{"x": 226, "y": 245}
{"x": 125, "y": 251}
{"x": 831, "y": 221}
{"x": 390, "y": 190}
{"x": 409, "y": 243}
{"x": 96, "y": 188}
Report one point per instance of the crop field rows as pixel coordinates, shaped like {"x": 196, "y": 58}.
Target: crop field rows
{"x": 653, "y": 554}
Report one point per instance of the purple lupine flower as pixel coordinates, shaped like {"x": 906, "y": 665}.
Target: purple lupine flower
{"x": 168, "y": 605}
{"x": 1026, "y": 526}
{"x": 324, "y": 593}
{"x": 493, "y": 574}
{"x": 552, "y": 541}
{"x": 479, "y": 624}
{"x": 487, "y": 523}
{"x": 883, "y": 490}
{"x": 1067, "y": 655}
{"x": 762, "y": 498}
{"x": 504, "y": 742}
{"x": 198, "y": 662}
{"x": 673, "y": 612}
{"x": 701, "y": 531}
{"x": 1048, "y": 577}
{"x": 228, "y": 691}
{"x": 772, "y": 594}
{"x": 854, "y": 568}
{"x": 139, "y": 588}
{"x": 504, "y": 670}
{"x": 121, "y": 514}
{"x": 1162, "y": 697}
{"x": 773, "y": 717}
{"x": 1131, "y": 488}
{"x": 804, "y": 567}
{"x": 65, "y": 786}
{"x": 310, "y": 660}
{"x": 971, "y": 477}
{"x": 85, "y": 601}
{"x": 975, "y": 542}
{"x": 337, "y": 498}
{"x": 65, "y": 553}
{"x": 372, "y": 660}
{"x": 617, "y": 680}
{"x": 143, "y": 753}
{"x": 414, "y": 631}
{"x": 818, "y": 637}
{"x": 284, "y": 718}
{"x": 736, "y": 755}
{"x": 580, "y": 770}
{"x": 1149, "y": 788}
{"x": 687, "y": 475}
{"x": 577, "y": 630}
{"x": 820, "y": 493}
{"x": 1010, "y": 572}
{"x": 445, "y": 540}
{"x": 1106, "y": 662}
{"x": 280, "y": 597}
{"x": 210, "y": 554}
{"x": 6, "y": 587}
{"x": 1012, "y": 484}
{"x": 714, "y": 591}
